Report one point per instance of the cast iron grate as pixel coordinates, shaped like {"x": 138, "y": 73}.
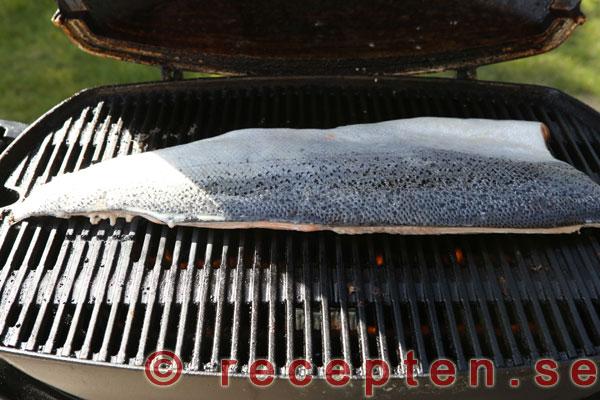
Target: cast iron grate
{"x": 115, "y": 294}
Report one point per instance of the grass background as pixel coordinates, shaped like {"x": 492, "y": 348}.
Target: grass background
{"x": 40, "y": 66}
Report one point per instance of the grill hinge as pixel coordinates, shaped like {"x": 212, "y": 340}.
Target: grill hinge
{"x": 466, "y": 73}
{"x": 72, "y": 6}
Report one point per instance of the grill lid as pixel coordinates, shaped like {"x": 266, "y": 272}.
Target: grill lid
{"x": 279, "y": 37}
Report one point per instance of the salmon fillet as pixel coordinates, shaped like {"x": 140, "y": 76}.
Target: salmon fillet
{"x": 411, "y": 176}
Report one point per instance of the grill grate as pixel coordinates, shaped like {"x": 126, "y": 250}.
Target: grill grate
{"x": 115, "y": 294}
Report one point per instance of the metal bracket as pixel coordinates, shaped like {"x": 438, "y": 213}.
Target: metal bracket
{"x": 72, "y": 6}
{"x": 466, "y": 73}
{"x": 564, "y": 5}
{"x": 568, "y": 9}
{"x": 171, "y": 74}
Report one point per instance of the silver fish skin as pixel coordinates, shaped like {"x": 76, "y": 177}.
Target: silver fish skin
{"x": 411, "y": 176}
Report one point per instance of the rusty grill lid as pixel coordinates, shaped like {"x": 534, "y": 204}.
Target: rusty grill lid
{"x": 280, "y": 37}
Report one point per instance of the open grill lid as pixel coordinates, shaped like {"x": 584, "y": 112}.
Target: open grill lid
{"x": 279, "y": 37}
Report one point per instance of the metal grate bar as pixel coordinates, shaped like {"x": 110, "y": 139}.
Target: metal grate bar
{"x": 272, "y": 299}
{"x": 203, "y": 294}
{"x": 392, "y": 285}
{"x": 410, "y": 297}
{"x": 358, "y": 291}
{"x": 324, "y": 296}
{"x": 306, "y": 295}
{"x": 220, "y": 299}
{"x": 290, "y": 297}
{"x": 168, "y": 288}
{"x": 152, "y": 295}
{"x": 375, "y": 269}
{"x": 427, "y": 297}
{"x": 238, "y": 298}
{"x": 342, "y": 290}
{"x": 187, "y": 292}
{"x": 254, "y": 290}
{"x": 446, "y": 299}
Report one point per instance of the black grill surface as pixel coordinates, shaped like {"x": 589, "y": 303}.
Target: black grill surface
{"x": 113, "y": 295}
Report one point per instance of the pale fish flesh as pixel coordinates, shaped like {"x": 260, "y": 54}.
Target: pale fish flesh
{"x": 412, "y": 176}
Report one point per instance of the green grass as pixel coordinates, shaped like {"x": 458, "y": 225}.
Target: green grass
{"x": 39, "y": 66}
{"x": 574, "y": 67}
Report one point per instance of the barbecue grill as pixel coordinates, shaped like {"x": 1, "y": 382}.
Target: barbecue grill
{"x": 82, "y": 306}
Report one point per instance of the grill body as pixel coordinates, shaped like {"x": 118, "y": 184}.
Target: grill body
{"x": 92, "y": 302}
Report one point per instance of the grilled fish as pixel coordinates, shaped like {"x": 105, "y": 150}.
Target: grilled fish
{"x": 411, "y": 176}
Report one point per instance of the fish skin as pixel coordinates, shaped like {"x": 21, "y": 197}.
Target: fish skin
{"x": 422, "y": 175}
